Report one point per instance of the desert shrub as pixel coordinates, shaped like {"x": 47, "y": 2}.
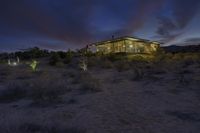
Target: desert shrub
{"x": 14, "y": 91}
{"x": 107, "y": 64}
{"x": 31, "y": 127}
{"x": 47, "y": 91}
{"x": 89, "y": 54}
{"x": 122, "y": 66}
{"x": 93, "y": 61}
{"x": 88, "y": 83}
{"x": 116, "y": 56}
{"x": 136, "y": 74}
{"x": 45, "y": 96}
{"x": 184, "y": 116}
{"x": 68, "y": 57}
{"x": 190, "y": 58}
{"x": 61, "y": 54}
{"x": 139, "y": 57}
{"x": 71, "y": 73}
{"x": 54, "y": 59}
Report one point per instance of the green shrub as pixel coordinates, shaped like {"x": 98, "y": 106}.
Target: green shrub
{"x": 54, "y": 59}
{"x": 68, "y": 57}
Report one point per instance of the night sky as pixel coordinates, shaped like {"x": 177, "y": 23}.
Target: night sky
{"x": 63, "y": 24}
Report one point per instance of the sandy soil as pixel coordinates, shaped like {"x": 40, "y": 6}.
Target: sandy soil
{"x": 158, "y": 103}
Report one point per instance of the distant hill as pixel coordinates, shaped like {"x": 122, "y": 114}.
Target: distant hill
{"x": 182, "y": 49}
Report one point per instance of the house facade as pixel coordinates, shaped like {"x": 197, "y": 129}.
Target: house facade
{"x": 125, "y": 45}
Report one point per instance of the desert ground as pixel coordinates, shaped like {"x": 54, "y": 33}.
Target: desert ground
{"x": 111, "y": 96}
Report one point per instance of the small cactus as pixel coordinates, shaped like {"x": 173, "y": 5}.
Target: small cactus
{"x": 33, "y": 65}
{"x": 83, "y": 65}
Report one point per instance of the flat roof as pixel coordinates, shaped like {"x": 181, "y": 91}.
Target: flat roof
{"x": 123, "y": 38}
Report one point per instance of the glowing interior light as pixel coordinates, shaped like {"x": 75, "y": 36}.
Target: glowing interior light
{"x": 131, "y": 46}
{"x": 124, "y": 46}
{"x": 108, "y": 47}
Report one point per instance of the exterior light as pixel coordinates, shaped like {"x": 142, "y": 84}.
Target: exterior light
{"x": 14, "y": 63}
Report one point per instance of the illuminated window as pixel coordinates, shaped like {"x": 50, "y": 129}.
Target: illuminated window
{"x": 131, "y": 46}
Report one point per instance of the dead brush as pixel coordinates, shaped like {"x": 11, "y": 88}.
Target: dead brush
{"x": 107, "y": 64}
{"x": 33, "y": 127}
{"x": 122, "y": 66}
{"x": 88, "y": 83}
{"x": 136, "y": 74}
{"x": 14, "y": 91}
{"x": 47, "y": 91}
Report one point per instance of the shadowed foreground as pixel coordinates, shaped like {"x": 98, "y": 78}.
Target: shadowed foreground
{"x": 111, "y": 97}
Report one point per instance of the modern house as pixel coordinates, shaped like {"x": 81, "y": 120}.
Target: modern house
{"x": 125, "y": 45}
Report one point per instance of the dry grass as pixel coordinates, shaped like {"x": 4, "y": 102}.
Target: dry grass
{"x": 40, "y": 128}
{"x": 127, "y": 90}
{"x": 89, "y": 83}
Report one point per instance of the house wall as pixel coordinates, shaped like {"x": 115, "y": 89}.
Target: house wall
{"x": 127, "y": 46}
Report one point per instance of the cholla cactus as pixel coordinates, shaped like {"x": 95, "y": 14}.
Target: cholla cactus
{"x": 9, "y": 63}
{"x": 18, "y": 61}
{"x": 33, "y": 65}
{"x": 83, "y": 64}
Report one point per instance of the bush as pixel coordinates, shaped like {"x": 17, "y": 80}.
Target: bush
{"x": 107, "y": 64}
{"x": 122, "y": 66}
{"x": 89, "y": 83}
{"x": 116, "y": 56}
{"x": 13, "y": 92}
{"x": 68, "y": 57}
{"x": 30, "y": 127}
{"x": 47, "y": 91}
{"x": 137, "y": 74}
{"x": 55, "y": 59}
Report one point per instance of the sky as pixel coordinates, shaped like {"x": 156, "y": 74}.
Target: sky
{"x": 72, "y": 24}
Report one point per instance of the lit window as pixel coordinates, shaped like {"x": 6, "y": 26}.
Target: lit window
{"x": 124, "y": 46}
{"x": 131, "y": 46}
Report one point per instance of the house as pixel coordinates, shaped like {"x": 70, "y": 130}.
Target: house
{"x": 124, "y": 45}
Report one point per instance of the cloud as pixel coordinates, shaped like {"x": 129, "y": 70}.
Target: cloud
{"x": 140, "y": 15}
{"x": 71, "y": 21}
{"x": 62, "y": 20}
{"x": 195, "y": 40}
{"x": 171, "y": 27}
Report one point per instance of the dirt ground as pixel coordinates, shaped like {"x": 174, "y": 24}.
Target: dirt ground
{"x": 153, "y": 99}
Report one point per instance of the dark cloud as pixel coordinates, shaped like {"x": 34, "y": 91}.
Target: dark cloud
{"x": 140, "y": 15}
{"x": 63, "y": 20}
{"x": 183, "y": 11}
{"x": 69, "y": 20}
{"x": 193, "y": 40}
